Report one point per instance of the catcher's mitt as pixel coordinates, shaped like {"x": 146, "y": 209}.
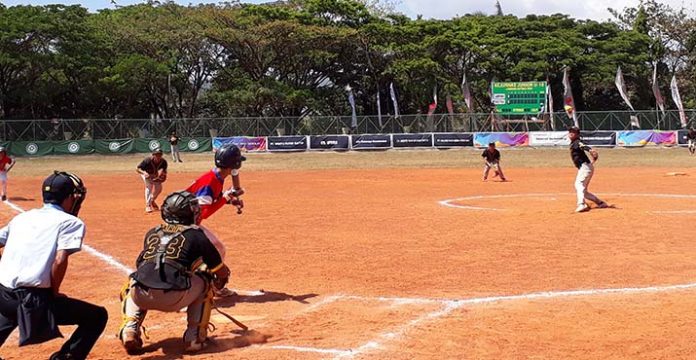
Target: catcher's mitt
{"x": 221, "y": 277}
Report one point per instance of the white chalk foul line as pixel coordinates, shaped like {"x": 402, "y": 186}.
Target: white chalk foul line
{"x": 92, "y": 251}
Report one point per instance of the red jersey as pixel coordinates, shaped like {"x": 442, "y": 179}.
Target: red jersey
{"x": 6, "y": 160}
{"x": 208, "y": 191}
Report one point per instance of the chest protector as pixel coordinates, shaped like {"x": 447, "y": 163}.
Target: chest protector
{"x": 162, "y": 265}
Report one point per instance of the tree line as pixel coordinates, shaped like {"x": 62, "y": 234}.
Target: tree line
{"x": 297, "y": 57}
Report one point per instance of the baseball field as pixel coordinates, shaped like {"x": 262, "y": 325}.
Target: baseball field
{"x": 409, "y": 255}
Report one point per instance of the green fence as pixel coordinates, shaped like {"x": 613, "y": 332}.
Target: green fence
{"x": 113, "y": 146}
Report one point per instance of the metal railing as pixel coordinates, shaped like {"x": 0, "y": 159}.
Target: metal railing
{"x": 61, "y": 129}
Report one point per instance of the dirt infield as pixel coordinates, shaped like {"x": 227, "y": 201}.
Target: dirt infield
{"x": 368, "y": 262}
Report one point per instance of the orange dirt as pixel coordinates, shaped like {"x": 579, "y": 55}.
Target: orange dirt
{"x": 307, "y": 236}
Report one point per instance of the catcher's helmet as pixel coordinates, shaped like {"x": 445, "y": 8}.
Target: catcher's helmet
{"x": 180, "y": 207}
{"x": 229, "y": 156}
{"x": 59, "y": 185}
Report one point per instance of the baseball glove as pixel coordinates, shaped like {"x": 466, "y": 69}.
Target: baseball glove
{"x": 221, "y": 277}
{"x": 162, "y": 177}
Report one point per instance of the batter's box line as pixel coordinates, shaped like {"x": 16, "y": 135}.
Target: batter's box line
{"x": 452, "y": 305}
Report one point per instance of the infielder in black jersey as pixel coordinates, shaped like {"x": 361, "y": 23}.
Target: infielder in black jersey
{"x": 585, "y": 171}
{"x": 691, "y": 140}
{"x": 491, "y": 157}
{"x": 170, "y": 275}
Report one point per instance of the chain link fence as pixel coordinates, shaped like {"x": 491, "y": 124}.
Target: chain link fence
{"x": 93, "y": 129}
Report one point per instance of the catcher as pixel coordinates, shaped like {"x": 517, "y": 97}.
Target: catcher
{"x": 153, "y": 170}
{"x": 177, "y": 268}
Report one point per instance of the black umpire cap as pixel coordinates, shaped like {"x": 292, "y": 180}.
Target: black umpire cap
{"x": 59, "y": 185}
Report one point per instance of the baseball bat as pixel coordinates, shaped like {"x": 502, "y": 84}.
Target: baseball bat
{"x": 232, "y": 319}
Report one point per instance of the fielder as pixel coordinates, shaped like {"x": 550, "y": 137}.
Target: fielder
{"x": 691, "y": 140}
{"x": 153, "y": 170}
{"x": 6, "y": 164}
{"x": 208, "y": 190}
{"x": 491, "y": 157}
{"x": 170, "y": 276}
{"x": 585, "y": 171}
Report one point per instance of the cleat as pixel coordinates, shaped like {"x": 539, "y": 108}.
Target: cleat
{"x": 582, "y": 208}
{"x": 131, "y": 341}
{"x": 225, "y": 292}
{"x": 4, "y": 198}
{"x": 603, "y": 205}
{"x": 194, "y": 346}
{"x": 148, "y": 209}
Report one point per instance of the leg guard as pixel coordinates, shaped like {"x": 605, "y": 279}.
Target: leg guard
{"x": 133, "y": 317}
{"x": 198, "y": 315}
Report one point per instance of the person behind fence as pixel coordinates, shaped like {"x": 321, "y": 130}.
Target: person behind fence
{"x": 691, "y": 140}
{"x": 153, "y": 170}
{"x": 178, "y": 268}
{"x": 37, "y": 245}
{"x": 174, "y": 142}
{"x": 6, "y": 164}
{"x": 491, "y": 158}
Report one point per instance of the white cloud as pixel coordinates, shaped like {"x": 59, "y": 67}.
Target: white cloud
{"x": 587, "y": 9}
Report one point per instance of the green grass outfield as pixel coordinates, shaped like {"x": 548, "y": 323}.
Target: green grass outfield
{"x": 676, "y": 158}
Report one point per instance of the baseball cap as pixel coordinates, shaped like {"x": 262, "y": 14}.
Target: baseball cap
{"x": 59, "y": 185}
{"x": 574, "y": 129}
{"x": 156, "y": 151}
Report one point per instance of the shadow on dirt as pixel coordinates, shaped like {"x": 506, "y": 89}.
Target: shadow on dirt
{"x": 173, "y": 348}
{"x": 263, "y": 297}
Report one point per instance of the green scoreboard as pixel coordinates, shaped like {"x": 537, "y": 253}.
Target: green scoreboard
{"x": 521, "y": 98}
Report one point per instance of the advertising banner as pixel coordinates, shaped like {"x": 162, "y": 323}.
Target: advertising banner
{"x": 117, "y": 146}
{"x": 448, "y": 140}
{"x": 501, "y": 139}
{"x": 645, "y": 138}
{"x": 598, "y": 138}
{"x": 549, "y": 138}
{"x": 248, "y": 143}
{"x": 146, "y": 145}
{"x": 31, "y": 148}
{"x": 73, "y": 147}
{"x": 199, "y": 144}
{"x": 412, "y": 140}
{"x": 329, "y": 142}
{"x": 287, "y": 143}
{"x": 367, "y": 142}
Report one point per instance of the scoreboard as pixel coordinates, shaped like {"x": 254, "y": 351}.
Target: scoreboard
{"x": 523, "y": 98}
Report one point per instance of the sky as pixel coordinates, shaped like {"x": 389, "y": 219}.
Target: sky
{"x": 445, "y": 9}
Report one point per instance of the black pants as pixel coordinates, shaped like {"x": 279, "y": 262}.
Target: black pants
{"x": 90, "y": 320}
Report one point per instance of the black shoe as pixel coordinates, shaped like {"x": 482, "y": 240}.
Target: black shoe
{"x": 61, "y": 356}
{"x": 4, "y": 198}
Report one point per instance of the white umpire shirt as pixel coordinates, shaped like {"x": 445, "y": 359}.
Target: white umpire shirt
{"x": 31, "y": 241}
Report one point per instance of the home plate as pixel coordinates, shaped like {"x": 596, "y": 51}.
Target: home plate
{"x": 218, "y": 318}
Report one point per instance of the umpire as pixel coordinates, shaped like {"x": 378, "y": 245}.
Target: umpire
{"x": 37, "y": 245}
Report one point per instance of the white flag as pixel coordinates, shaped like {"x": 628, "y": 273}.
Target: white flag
{"x": 466, "y": 92}
{"x": 354, "y": 116}
{"x": 568, "y": 100}
{"x": 379, "y": 110}
{"x": 549, "y": 99}
{"x": 621, "y": 85}
{"x": 678, "y": 101}
{"x": 656, "y": 91}
{"x": 393, "y": 97}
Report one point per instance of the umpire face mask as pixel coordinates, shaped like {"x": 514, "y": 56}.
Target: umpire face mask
{"x": 78, "y": 197}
